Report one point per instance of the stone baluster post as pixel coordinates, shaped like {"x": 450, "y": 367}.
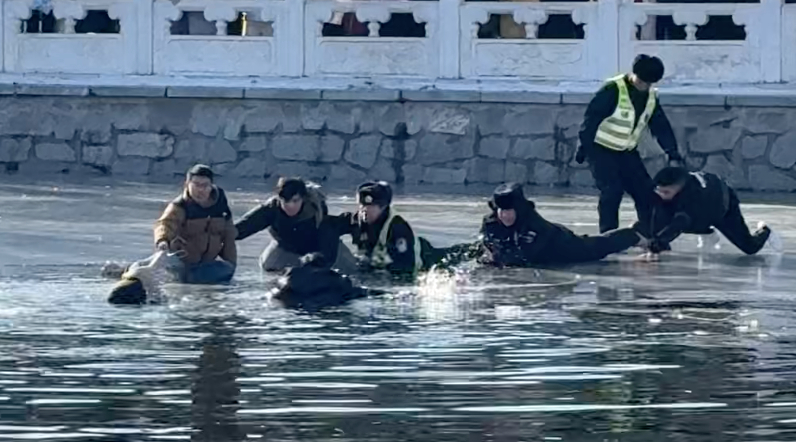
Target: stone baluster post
{"x": 604, "y": 40}
{"x": 289, "y": 34}
{"x": 447, "y": 31}
{"x": 767, "y": 25}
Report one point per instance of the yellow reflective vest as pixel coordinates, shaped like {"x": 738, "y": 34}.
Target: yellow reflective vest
{"x": 380, "y": 258}
{"x": 620, "y": 131}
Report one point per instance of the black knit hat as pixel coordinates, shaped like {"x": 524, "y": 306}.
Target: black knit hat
{"x": 129, "y": 291}
{"x": 648, "y": 69}
{"x": 669, "y": 176}
{"x": 508, "y": 196}
{"x": 373, "y": 192}
{"x": 287, "y": 188}
{"x": 200, "y": 170}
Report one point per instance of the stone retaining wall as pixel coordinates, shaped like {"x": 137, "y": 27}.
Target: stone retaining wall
{"x": 350, "y": 141}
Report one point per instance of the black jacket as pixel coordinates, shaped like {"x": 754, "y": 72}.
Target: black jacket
{"x": 530, "y": 240}
{"x": 313, "y": 287}
{"x": 301, "y": 234}
{"x": 701, "y": 204}
{"x": 400, "y": 239}
{"x": 604, "y": 104}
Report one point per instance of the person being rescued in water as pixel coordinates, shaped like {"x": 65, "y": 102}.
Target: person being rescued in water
{"x": 516, "y": 235}
{"x": 141, "y": 282}
{"x": 297, "y": 220}
{"x": 698, "y": 202}
{"x": 197, "y": 226}
{"x": 384, "y": 240}
{"x": 313, "y": 285}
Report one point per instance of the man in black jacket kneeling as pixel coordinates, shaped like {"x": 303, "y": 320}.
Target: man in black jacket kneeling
{"x": 698, "y": 202}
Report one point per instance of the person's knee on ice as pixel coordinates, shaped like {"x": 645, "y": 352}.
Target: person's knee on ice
{"x": 294, "y": 218}
{"x": 128, "y": 291}
{"x": 198, "y": 224}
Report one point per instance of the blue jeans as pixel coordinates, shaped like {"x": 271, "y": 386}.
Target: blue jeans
{"x": 213, "y": 272}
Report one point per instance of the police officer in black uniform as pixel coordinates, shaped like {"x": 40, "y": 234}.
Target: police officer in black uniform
{"x": 516, "y": 235}
{"x": 614, "y": 121}
{"x": 697, "y": 202}
{"x": 385, "y": 240}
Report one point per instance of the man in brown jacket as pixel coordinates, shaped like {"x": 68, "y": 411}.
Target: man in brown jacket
{"x": 198, "y": 226}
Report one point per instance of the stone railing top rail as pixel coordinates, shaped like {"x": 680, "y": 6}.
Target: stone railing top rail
{"x": 372, "y": 89}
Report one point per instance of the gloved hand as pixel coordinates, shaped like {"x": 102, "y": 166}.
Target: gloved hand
{"x": 654, "y": 247}
{"x": 580, "y": 155}
{"x": 675, "y": 160}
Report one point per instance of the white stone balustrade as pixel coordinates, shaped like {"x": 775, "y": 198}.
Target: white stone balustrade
{"x": 223, "y": 54}
{"x": 753, "y": 59}
{"x": 450, "y": 48}
{"x": 373, "y": 55}
{"x": 529, "y": 57}
{"x": 127, "y": 52}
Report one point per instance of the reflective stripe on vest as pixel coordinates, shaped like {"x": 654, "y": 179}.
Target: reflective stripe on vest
{"x": 617, "y": 132}
{"x": 380, "y": 258}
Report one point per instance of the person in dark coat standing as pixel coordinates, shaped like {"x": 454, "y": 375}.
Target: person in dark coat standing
{"x": 615, "y": 119}
{"x": 696, "y": 203}
{"x": 516, "y": 235}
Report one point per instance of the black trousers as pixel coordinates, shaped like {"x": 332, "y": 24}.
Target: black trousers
{"x": 618, "y": 172}
{"x": 584, "y": 248}
{"x": 733, "y": 227}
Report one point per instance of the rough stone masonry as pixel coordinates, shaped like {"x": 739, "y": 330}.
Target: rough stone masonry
{"x": 349, "y": 141}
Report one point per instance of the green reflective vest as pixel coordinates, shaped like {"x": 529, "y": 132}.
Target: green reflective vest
{"x": 620, "y": 131}
{"x": 380, "y": 258}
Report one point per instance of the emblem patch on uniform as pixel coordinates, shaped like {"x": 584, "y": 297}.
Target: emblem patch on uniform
{"x": 401, "y": 245}
{"x": 368, "y": 199}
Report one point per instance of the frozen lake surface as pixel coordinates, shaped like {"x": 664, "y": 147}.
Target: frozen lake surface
{"x": 697, "y": 347}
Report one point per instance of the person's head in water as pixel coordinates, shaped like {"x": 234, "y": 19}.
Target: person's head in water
{"x": 670, "y": 181}
{"x": 291, "y": 193}
{"x": 374, "y": 197}
{"x": 199, "y": 183}
{"x": 128, "y": 291}
{"x": 507, "y": 198}
{"x": 647, "y": 71}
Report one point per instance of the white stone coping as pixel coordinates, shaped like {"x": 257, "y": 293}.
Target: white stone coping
{"x": 379, "y": 89}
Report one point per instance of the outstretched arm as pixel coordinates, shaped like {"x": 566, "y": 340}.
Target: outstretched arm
{"x": 255, "y": 220}
{"x": 679, "y": 223}
{"x": 167, "y": 227}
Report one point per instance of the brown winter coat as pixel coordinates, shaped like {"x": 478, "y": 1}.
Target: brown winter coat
{"x": 203, "y": 233}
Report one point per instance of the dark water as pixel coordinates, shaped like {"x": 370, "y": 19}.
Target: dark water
{"x": 698, "y": 347}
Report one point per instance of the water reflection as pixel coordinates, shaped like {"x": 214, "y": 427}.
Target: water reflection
{"x": 698, "y": 347}
{"x": 215, "y": 392}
